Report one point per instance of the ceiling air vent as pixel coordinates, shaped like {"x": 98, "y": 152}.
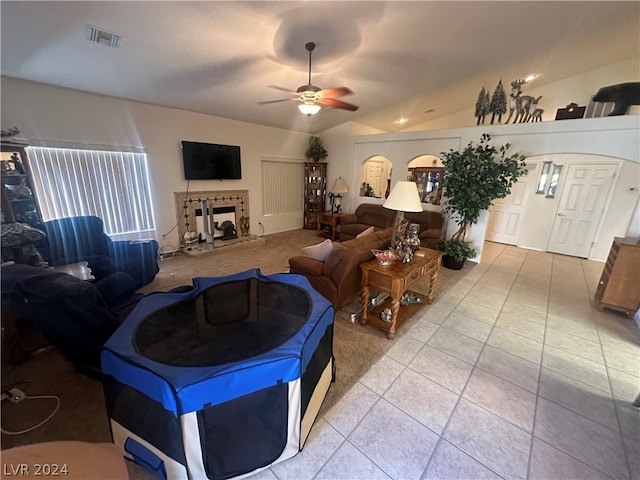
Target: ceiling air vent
{"x": 102, "y": 37}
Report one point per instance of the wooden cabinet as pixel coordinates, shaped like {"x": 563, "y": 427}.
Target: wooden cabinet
{"x": 315, "y": 192}
{"x": 619, "y": 286}
{"x": 428, "y": 180}
{"x": 19, "y": 201}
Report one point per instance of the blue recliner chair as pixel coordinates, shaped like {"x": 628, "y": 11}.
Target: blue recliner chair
{"x": 79, "y": 239}
{"x": 74, "y": 315}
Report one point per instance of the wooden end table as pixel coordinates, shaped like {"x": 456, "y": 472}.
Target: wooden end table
{"x": 329, "y": 225}
{"x": 396, "y": 279}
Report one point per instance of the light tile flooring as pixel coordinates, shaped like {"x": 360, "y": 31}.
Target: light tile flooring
{"x": 510, "y": 374}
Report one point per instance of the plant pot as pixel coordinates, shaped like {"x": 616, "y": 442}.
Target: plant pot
{"x": 451, "y": 263}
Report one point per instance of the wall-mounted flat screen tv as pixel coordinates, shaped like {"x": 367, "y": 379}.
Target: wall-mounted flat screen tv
{"x": 208, "y": 161}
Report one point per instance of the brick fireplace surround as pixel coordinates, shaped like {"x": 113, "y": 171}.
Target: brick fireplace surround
{"x": 187, "y": 204}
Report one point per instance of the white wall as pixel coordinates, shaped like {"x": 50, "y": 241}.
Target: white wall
{"x": 577, "y": 89}
{"x": 619, "y": 209}
{"x": 614, "y": 137}
{"x": 53, "y": 114}
{"x": 59, "y": 115}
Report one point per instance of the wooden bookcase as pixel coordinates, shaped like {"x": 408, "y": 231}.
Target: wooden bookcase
{"x": 19, "y": 202}
{"x": 619, "y": 286}
{"x": 315, "y": 192}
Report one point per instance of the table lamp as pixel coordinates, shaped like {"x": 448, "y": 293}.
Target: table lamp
{"x": 404, "y": 197}
{"x": 335, "y": 195}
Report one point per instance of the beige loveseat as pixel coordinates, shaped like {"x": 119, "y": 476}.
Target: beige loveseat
{"x": 369, "y": 214}
{"x": 338, "y": 278}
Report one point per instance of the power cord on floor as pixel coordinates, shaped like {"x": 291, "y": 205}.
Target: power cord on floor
{"x": 15, "y": 395}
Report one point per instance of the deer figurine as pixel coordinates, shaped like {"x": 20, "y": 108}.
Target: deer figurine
{"x": 518, "y": 103}
{"x": 537, "y": 115}
{"x": 531, "y": 113}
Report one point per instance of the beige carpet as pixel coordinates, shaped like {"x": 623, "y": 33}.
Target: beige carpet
{"x": 82, "y": 414}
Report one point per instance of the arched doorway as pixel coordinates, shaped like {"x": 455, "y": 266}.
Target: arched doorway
{"x": 376, "y": 177}
{"x": 427, "y": 171}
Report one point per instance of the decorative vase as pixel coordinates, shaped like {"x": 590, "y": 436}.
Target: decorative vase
{"x": 451, "y": 263}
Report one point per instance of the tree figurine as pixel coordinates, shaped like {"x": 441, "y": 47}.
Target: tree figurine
{"x": 498, "y": 104}
{"x": 482, "y": 106}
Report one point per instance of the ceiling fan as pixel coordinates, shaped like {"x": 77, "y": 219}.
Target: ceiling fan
{"x": 312, "y": 98}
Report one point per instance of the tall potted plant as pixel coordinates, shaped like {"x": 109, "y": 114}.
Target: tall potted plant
{"x": 315, "y": 149}
{"x": 473, "y": 179}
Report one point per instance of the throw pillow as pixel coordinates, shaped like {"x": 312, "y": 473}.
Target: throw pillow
{"x": 368, "y": 231}
{"x": 319, "y": 252}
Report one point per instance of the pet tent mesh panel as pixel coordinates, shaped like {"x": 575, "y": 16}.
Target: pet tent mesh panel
{"x": 220, "y": 381}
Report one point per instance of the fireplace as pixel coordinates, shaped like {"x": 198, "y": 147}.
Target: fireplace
{"x": 223, "y": 214}
{"x": 218, "y": 221}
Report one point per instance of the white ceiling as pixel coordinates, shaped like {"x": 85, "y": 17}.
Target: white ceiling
{"x": 399, "y": 58}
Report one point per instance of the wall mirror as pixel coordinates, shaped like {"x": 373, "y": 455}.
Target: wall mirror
{"x": 376, "y": 177}
{"x": 427, "y": 171}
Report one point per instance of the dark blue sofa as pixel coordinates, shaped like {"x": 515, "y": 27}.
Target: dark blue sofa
{"x": 77, "y": 239}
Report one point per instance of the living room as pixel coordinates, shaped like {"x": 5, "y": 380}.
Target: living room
{"x": 51, "y": 115}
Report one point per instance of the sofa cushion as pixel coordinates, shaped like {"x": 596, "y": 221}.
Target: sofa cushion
{"x": 320, "y": 251}
{"x": 342, "y": 252}
{"x": 368, "y": 231}
{"x": 370, "y": 218}
{"x": 385, "y": 236}
{"x": 350, "y": 231}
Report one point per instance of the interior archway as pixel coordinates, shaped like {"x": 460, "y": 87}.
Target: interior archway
{"x": 427, "y": 171}
{"x": 376, "y": 177}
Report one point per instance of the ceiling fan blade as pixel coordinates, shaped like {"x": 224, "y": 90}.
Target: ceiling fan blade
{"x": 282, "y": 89}
{"x": 334, "y": 92}
{"x": 332, "y": 102}
{"x": 276, "y": 101}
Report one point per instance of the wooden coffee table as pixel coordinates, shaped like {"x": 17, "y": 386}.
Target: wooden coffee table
{"x": 396, "y": 279}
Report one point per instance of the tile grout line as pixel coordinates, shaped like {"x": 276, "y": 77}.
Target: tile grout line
{"x": 613, "y": 396}
{"x": 381, "y": 397}
{"x": 441, "y": 437}
{"x": 544, "y": 336}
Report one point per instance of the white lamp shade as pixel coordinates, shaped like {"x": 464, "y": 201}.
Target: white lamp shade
{"x": 340, "y": 186}
{"x": 309, "y": 108}
{"x": 404, "y": 198}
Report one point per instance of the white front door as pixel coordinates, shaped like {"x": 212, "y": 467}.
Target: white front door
{"x": 506, "y": 214}
{"x": 580, "y": 208}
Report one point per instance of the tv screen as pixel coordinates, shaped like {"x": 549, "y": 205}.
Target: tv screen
{"x": 208, "y": 161}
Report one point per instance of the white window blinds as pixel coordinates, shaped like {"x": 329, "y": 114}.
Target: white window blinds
{"x": 114, "y": 186}
{"x": 282, "y": 186}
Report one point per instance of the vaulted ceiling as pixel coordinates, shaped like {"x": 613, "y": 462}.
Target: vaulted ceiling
{"x": 401, "y": 59}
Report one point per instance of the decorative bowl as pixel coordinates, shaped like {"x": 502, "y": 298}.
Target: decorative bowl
{"x": 384, "y": 257}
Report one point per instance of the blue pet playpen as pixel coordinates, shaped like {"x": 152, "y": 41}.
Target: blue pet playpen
{"x": 220, "y": 381}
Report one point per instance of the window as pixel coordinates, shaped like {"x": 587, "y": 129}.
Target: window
{"x": 114, "y": 186}
{"x": 551, "y": 191}
{"x": 282, "y": 186}
{"x": 542, "y": 182}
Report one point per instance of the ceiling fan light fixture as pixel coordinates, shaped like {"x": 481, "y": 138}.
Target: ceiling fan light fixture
{"x": 309, "y": 108}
